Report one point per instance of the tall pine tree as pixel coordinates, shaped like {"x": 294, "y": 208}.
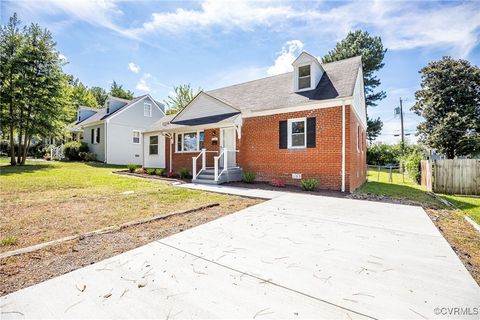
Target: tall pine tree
{"x": 360, "y": 43}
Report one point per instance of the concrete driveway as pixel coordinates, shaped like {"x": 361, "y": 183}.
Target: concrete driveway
{"x": 295, "y": 256}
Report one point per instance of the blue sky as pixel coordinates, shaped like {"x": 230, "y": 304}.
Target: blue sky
{"x": 150, "y": 46}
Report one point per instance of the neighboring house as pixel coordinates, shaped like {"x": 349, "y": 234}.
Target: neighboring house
{"x": 114, "y": 132}
{"x": 309, "y": 123}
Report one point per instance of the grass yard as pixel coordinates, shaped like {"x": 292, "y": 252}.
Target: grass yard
{"x": 43, "y": 201}
{"x": 400, "y": 187}
{"x": 470, "y": 205}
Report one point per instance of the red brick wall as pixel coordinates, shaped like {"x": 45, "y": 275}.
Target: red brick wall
{"x": 260, "y": 152}
{"x": 356, "y": 163}
{"x": 184, "y": 159}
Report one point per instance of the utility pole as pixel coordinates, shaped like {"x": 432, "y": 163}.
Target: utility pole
{"x": 401, "y": 124}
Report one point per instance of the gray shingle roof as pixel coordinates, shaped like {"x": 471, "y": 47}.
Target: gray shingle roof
{"x": 274, "y": 92}
{"x": 102, "y": 113}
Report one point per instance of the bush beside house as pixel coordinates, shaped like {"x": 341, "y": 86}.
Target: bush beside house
{"x": 73, "y": 149}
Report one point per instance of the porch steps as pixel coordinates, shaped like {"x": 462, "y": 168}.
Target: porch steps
{"x": 208, "y": 176}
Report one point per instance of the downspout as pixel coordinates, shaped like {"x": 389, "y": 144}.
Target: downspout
{"x": 343, "y": 145}
{"x": 143, "y": 150}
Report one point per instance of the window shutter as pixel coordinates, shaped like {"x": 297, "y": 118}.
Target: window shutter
{"x": 98, "y": 135}
{"x": 92, "y": 135}
{"x": 283, "y": 134}
{"x": 311, "y": 132}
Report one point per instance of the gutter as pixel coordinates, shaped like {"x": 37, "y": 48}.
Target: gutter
{"x": 343, "y": 145}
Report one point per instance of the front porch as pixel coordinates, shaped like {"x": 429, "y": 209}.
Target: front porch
{"x": 225, "y": 168}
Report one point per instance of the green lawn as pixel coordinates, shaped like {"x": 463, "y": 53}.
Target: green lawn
{"x": 470, "y": 205}
{"x": 400, "y": 187}
{"x": 405, "y": 188}
{"x": 47, "y": 200}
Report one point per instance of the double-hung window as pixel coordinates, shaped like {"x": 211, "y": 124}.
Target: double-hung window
{"x": 136, "y": 136}
{"x": 147, "y": 109}
{"x": 297, "y": 135}
{"x": 304, "y": 78}
{"x": 190, "y": 141}
{"x": 153, "y": 147}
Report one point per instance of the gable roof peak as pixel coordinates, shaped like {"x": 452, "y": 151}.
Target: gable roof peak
{"x": 305, "y": 57}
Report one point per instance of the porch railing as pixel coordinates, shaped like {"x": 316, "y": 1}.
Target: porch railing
{"x": 222, "y": 158}
{"x": 202, "y": 154}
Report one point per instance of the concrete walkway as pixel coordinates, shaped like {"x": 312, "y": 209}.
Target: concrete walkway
{"x": 236, "y": 191}
{"x": 295, "y": 256}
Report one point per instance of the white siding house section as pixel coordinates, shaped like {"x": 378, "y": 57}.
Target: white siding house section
{"x": 121, "y": 147}
{"x": 154, "y": 160}
{"x": 359, "y": 99}
{"x": 204, "y": 106}
{"x": 96, "y": 147}
{"x": 316, "y": 70}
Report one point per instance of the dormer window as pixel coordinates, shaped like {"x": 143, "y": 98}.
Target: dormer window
{"x": 304, "y": 77}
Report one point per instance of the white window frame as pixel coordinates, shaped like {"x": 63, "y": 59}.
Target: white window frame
{"x": 289, "y": 133}
{"x": 183, "y": 141}
{"x": 139, "y": 136}
{"x": 150, "y": 144}
{"x": 298, "y": 77}
{"x": 145, "y": 112}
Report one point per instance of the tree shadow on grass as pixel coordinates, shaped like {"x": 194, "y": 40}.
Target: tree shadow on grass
{"x": 28, "y": 168}
{"x": 399, "y": 191}
{"x": 106, "y": 166}
{"x": 459, "y": 203}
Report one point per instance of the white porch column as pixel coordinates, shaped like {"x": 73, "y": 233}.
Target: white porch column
{"x": 204, "y": 159}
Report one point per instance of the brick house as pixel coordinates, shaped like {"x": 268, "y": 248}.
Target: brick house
{"x": 308, "y": 123}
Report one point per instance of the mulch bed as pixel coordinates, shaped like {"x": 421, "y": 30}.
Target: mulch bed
{"x": 288, "y": 188}
{"x": 24, "y": 270}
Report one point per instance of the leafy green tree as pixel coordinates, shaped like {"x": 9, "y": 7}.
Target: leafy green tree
{"x": 182, "y": 96}
{"x": 449, "y": 101}
{"x": 117, "y": 90}
{"x": 11, "y": 41}
{"x": 82, "y": 96}
{"x": 41, "y": 101}
{"x": 100, "y": 95}
{"x": 374, "y": 128}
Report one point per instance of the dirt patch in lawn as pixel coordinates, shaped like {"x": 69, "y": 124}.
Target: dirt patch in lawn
{"x": 461, "y": 236}
{"x": 18, "y": 272}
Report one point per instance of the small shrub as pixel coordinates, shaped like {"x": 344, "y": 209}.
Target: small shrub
{"x": 278, "y": 183}
{"x": 183, "y": 173}
{"x": 412, "y": 164}
{"x": 172, "y": 175}
{"x": 160, "y": 172}
{"x": 88, "y": 156}
{"x": 140, "y": 170}
{"x": 10, "y": 241}
{"x": 248, "y": 177}
{"x": 132, "y": 167}
{"x": 309, "y": 184}
{"x": 150, "y": 171}
{"x": 72, "y": 150}
{"x": 47, "y": 156}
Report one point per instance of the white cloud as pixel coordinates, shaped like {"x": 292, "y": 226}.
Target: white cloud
{"x": 403, "y": 25}
{"x": 150, "y": 83}
{"x": 142, "y": 84}
{"x": 289, "y": 52}
{"x": 133, "y": 67}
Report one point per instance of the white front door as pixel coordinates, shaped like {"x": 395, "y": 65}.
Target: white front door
{"x": 228, "y": 141}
